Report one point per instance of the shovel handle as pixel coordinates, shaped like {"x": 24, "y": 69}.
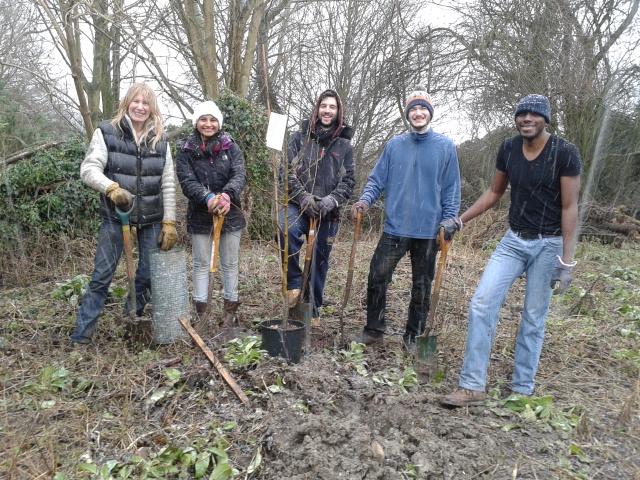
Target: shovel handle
{"x": 435, "y": 294}
{"x": 352, "y": 257}
{"x": 308, "y": 256}
{"x": 128, "y": 255}
{"x": 218, "y": 221}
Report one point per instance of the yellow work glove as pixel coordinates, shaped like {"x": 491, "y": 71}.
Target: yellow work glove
{"x": 168, "y": 235}
{"x": 121, "y": 197}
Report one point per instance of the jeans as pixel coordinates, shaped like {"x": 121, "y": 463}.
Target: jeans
{"x": 108, "y": 253}
{"x": 512, "y": 257}
{"x": 388, "y": 253}
{"x": 229, "y": 260}
{"x": 325, "y": 235}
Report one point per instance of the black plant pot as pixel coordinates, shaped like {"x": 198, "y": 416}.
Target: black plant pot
{"x": 284, "y": 343}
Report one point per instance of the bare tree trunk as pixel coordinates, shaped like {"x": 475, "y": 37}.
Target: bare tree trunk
{"x": 252, "y": 37}
{"x": 200, "y": 30}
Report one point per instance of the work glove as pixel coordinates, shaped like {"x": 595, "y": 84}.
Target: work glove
{"x": 168, "y": 235}
{"x": 562, "y": 276}
{"x": 309, "y": 205}
{"x": 326, "y": 205}
{"x": 359, "y": 207}
{"x": 121, "y": 197}
{"x": 451, "y": 226}
{"x": 224, "y": 204}
{"x": 212, "y": 201}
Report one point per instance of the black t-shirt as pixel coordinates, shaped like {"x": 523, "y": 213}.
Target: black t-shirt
{"x": 536, "y": 205}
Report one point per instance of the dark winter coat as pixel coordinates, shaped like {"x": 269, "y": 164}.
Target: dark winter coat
{"x": 321, "y": 165}
{"x": 215, "y": 168}
{"x": 136, "y": 168}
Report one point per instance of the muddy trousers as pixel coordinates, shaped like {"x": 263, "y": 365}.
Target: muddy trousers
{"x": 108, "y": 253}
{"x": 388, "y": 253}
{"x": 513, "y": 257}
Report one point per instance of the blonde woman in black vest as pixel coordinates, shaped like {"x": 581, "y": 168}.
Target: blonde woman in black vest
{"x": 128, "y": 161}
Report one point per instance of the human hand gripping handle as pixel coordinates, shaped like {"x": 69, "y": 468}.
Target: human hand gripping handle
{"x": 121, "y": 197}
{"x": 562, "y": 276}
{"x": 309, "y": 205}
{"x": 451, "y": 226}
{"x": 224, "y": 204}
{"x": 168, "y": 235}
{"x": 359, "y": 207}
{"x": 326, "y": 205}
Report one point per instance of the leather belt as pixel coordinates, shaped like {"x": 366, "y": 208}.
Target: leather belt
{"x": 533, "y": 236}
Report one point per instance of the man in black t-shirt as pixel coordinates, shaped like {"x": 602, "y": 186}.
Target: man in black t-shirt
{"x": 544, "y": 173}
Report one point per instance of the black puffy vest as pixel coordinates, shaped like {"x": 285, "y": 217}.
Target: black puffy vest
{"x": 137, "y": 169}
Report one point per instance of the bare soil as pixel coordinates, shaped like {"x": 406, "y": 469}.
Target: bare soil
{"x": 336, "y": 414}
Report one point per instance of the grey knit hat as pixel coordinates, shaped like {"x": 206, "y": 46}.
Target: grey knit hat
{"x": 534, "y": 103}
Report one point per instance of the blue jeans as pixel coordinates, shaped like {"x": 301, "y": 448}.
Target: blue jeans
{"x": 513, "y": 257}
{"x": 108, "y": 253}
{"x": 388, "y": 253}
{"x": 325, "y": 235}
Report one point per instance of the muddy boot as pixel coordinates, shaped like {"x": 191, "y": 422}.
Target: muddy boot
{"x": 201, "y": 309}
{"x": 229, "y": 319}
{"x": 463, "y": 398}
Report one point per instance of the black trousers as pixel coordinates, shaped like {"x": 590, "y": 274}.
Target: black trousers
{"x": 388, "y": 253}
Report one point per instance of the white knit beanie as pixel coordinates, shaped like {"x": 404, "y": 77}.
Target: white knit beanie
{"x": 207, "y": 108}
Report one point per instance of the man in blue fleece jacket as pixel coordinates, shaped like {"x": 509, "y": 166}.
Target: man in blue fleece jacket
{"x": 419, "y": 177}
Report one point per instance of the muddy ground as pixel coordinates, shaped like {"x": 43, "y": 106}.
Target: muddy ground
{"x": 120, "y": 409}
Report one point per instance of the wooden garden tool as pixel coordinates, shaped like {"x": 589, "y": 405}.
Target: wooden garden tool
{"x": 427, "y": 343}
{"x": 308, "y": 257}
{"x": 128, "y": 254}
{"x": 218, "y": 221}
{"x": 347, "y": 289}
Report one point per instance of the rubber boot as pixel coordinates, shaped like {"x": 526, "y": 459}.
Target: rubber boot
{"x": 201, "y": 309}
{"x": 229, "y": 319}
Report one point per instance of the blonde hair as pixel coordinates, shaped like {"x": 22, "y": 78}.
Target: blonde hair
{"x": 153, "y": 124}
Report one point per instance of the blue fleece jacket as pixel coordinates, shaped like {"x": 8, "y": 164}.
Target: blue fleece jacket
{"x": 420, "y": 179}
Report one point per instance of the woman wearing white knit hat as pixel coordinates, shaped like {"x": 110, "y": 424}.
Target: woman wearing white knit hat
{"x": 211, "y": 171}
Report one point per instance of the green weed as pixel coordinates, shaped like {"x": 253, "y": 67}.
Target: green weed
{"x": 244, "y": 352}
{"x": 392, "y": 377}
{"x": 72, "y": 290}
{"x": 169, "y": 462}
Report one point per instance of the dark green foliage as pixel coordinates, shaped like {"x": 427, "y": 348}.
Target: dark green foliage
{"x": 44, "y": 195}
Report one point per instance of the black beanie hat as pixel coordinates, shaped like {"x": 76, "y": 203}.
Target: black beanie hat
{"x": 534, "y": 103}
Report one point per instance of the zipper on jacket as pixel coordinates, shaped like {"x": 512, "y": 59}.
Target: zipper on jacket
{"x": 138, "y": 182}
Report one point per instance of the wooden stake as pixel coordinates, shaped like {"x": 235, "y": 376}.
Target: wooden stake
{"x": 214, "y": 361}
